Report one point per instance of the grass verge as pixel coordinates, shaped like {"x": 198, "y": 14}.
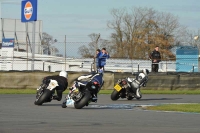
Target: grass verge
{"x": 33, "y": 91}
{"x": 194, "y": 108}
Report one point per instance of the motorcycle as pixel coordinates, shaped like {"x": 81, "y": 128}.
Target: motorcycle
{"x": 83, "y": 93}
{"x": 45, "y": 92}
{"x": 126, "y": 88}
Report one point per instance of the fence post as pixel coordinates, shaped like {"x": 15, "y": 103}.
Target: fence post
{"x": 43, "y": 65}
{"x": 193, "y": 67}
{"x": 95, "y": 54}
{"x": 92, "y": 66}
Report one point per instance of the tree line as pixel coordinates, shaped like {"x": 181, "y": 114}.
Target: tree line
{"x": 136, "y": 31}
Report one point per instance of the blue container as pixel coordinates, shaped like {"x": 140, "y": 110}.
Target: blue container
{"x": 187, "y": 59}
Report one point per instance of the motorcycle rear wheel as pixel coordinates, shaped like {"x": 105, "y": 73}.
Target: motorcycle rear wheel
{"x": 115, "y": 95}
{"x": 43, "y": 98}
{"x": 85, "y": 99}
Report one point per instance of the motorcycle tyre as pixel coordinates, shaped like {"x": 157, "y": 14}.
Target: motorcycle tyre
{"x": 46, "y": 94}
{"x": 80, "y": 104}
{"x": 115, "y": 95}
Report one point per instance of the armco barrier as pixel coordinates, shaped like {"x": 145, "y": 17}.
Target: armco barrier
{"x": 157, "y": 81}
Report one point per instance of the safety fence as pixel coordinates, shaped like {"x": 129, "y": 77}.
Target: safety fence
{"x": 53, "y": 64}
{"x": 157, "y": 81}
{"x": 66, "y": 56}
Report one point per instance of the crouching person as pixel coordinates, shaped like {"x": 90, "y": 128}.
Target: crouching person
{"x": 62, "y": 84}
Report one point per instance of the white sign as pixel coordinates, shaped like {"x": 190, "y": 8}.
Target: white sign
{"x": 7, "y": 54}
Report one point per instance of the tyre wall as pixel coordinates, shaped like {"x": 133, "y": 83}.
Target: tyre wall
{"x": 157, "y": 81}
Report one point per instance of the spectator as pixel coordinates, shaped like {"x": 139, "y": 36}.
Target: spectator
{"x": 98, "y": 52}
{"x": 155, "y": 58}
{"x": 102, "y": 58}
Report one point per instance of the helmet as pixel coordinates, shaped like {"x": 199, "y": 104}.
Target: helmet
{"x": 63, "y": 74}
{"x": 145, "y": 71}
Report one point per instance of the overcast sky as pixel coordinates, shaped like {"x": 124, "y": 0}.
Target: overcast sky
{"x": 79, "y": 18}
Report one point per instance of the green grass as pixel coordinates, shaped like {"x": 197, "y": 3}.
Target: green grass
{"x": 194, "y": 108}
{"x": 170, "y": 91}
{"x": 33, "y": 91}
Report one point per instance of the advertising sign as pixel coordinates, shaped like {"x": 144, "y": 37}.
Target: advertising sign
{"x": 28, "y": 10}
{"x": 7, "y": 53}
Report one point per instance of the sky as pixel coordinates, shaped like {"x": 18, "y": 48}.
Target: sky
{"x": 78, "y": 18}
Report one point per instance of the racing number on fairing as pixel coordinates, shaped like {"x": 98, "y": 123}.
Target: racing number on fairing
{"x": 117, "y": 87}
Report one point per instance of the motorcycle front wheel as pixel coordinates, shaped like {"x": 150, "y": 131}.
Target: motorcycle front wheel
{"x": 45, "y": 96}
{"x": 85, "y": 99}
{"x": 115, "y": 95}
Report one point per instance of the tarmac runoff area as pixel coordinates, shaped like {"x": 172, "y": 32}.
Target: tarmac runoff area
{"x": 18, "y": 114}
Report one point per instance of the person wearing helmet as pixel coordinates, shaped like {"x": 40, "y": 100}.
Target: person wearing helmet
{"x": 140, "y": 80}
{"x": 84, "y": 79}
{"x": 62, "y": 84}
{"x": 142, "y": 77}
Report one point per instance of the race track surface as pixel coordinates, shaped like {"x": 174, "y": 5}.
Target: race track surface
{"x": 18, "y": 114}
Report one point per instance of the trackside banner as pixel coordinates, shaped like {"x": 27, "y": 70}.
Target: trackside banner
{"x": 8, "y": 42}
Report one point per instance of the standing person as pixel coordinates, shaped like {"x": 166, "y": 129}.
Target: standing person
{"x": 98, "y": 52}
{"x": 155, "y": 58}
{"x": 102, "y": 58}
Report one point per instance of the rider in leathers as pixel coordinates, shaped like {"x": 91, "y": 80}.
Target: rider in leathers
{"x": 62, "y": 82}
{"x": 140, "y": 80}
{"x": 84, "y": 79}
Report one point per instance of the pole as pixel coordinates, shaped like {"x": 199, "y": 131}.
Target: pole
{"x": 0, "y": 10}
{"x": 96, "y": 43}
{"x": 26, "y": 48}
{"x": 1, "y": 22}
{"x": 43, "y": 65}
{"x": 33, "y": 46}
{"x": 65, "y": 52}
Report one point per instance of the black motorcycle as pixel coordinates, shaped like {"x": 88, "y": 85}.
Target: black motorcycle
{"x": 84, "y": 92}
{"x": 45, "y": 92}
{"x": 126, "y": 88}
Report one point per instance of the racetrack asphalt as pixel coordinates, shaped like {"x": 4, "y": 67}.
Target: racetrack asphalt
{"x": 18, "y": 114}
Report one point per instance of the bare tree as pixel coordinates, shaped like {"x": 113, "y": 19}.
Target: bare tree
{"x": 47, "y": 41}
{"x": 137, "y": 31}
{"x": 89, "y": 50}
